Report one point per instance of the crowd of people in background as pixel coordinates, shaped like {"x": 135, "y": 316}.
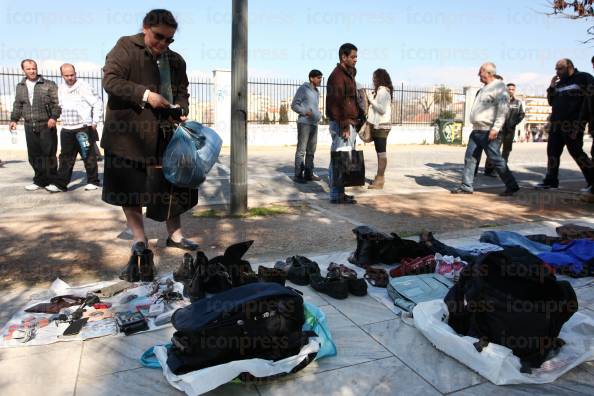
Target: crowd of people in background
{"x": 495, "y": 115}
{"x": 139, "y": 97}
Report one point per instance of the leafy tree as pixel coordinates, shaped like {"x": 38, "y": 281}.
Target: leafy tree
{"x": 443, "y": 96}
{"x": 577, "y": 9}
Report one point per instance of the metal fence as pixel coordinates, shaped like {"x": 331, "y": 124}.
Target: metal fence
{"x": 200, "y": 89}
{"x": 269, "y": 102}
{"x": 269, "y": 99}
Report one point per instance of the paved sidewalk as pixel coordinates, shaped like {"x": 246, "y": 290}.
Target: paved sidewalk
{"x": 378, "y": 354}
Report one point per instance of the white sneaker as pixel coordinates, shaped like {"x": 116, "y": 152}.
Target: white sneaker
{"x": 32, "y": 187}
{"x": 586, "y": 189}
{"x": 90, "y": 187}
{"x": 52, "y": 188}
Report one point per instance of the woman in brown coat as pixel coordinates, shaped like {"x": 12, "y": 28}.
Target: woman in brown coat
{"x": 147, "y": 84}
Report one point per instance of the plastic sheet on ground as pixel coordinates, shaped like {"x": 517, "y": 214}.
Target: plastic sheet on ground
{"x": 497, "y": 363}
{"x": 52, "y": 333}
{"x": 201, "y": 381}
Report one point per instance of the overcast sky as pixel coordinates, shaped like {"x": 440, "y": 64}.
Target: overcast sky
{"x": 419, "y": 43}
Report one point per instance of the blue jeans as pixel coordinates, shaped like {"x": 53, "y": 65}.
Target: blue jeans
{"x": 338, "y": 142}
{"x": 477, "y": 142}
{"x": 307, "y": 138}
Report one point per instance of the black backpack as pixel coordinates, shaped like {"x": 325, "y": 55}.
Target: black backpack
{"x": 256, "y": 320}
{"x": 511, "y": 298}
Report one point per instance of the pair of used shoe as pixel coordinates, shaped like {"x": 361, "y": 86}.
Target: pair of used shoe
{"x": 141, "y": 265}
{"x": 339, "y": 282}
{"x": 299, "y": 269}
{"x": 508, "y": 192}
{"x": 344, "y": 199}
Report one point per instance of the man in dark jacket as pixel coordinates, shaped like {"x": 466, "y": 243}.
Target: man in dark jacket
{"x": 515, "y": 115}
{"x": 147, "y": 89}
{"x": 566, "y": 94}
{"x": 36, "y": 100}
{"x": 342, "y": 112}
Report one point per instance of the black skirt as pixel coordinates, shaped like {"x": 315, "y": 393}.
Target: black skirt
{"x": 131, "y": 183}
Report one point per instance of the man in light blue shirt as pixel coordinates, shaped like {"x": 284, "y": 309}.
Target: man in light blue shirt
{"x": 306, "y": 103}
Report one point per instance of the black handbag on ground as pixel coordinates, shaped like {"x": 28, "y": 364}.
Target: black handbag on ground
{"x": 257, "y": 320}
{"x": 512, "y": 299}
{"x": 348, "y": 168}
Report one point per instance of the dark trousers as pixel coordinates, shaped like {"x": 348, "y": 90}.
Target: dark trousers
{"x": 42, "y": 144}
{"x": 574, "y": 141}
{"x": 507, "y": 140}
{"x": 68, "y": 152}
{"x": 307, "y": 140}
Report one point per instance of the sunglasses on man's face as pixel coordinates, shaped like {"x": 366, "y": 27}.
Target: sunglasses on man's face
{"x": 161, "y": 37}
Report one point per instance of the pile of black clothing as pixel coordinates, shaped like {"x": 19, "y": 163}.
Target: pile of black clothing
{"x": 375, "y": 247}
{"x": 513, "y": 299}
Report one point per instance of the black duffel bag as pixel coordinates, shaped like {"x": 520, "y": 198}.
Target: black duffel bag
{"x": 511, "y": 298}
{"x": 256, "y": 320}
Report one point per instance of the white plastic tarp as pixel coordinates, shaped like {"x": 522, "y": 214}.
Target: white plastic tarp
{"x": 201, "y": 381}
{"x": 497, "y": 363}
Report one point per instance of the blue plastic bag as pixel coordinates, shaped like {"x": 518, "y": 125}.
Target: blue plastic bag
{"x": 315, "y": 320}
{"x": 191, "y": 154}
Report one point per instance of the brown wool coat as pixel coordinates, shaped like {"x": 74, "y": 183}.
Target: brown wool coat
{"x": 131, "y": 131}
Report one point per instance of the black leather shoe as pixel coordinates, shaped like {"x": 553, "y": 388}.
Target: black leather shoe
{"x": 184, "y": 244}
{"x": 334, "y": 287}
{"x": 299, "y": 179}
{"x": 509, "y": 191}
{"x": 546, "y": 186}
{"x": 490, "y": 174}
{"x": 347, "y": 199}
{"x": 312, "y": 177}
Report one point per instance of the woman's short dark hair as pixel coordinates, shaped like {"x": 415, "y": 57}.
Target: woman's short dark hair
{"x": 346, "y": 50}
{"x": 159, "y": 17}
{"x": 383, "y": 80}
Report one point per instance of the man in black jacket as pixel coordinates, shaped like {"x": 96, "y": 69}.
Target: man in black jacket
{"x": 36, "y": 100}
{"x": 515, "y": 115}
{"x": 566, "y": 94}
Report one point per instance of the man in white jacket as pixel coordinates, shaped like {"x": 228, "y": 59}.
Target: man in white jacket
{"x": 487, "y": 116}
{"x": 82, "y": 110}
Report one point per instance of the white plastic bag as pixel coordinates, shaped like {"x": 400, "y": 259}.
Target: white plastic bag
{"x": 498, "y": 363}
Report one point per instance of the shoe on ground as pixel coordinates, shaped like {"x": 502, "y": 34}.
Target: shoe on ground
{"x": 509, "y": 191}
{"x": 53, "y": 188}
{"x": 334, "y": 287}
{"x": 586, "y": 189}
{"x": 32, "y": 187}
{"x": 301, "y": 270}
{"x": 546, "y": 186}
{"x": 312, "y": 177}
{"x": 184, "y": 244}
{"x": 346, "y": 199}
{"x": 299, "y": 179}
{"x": 91, "y": 187}
{"x": 490, "y": 174}
{"x": 460, "y": 190}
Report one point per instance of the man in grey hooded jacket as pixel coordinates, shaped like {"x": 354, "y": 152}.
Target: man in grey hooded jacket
{"x": 306, "y": 103}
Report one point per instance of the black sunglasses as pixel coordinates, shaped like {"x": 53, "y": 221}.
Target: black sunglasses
{"x": 160, "y": 37}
